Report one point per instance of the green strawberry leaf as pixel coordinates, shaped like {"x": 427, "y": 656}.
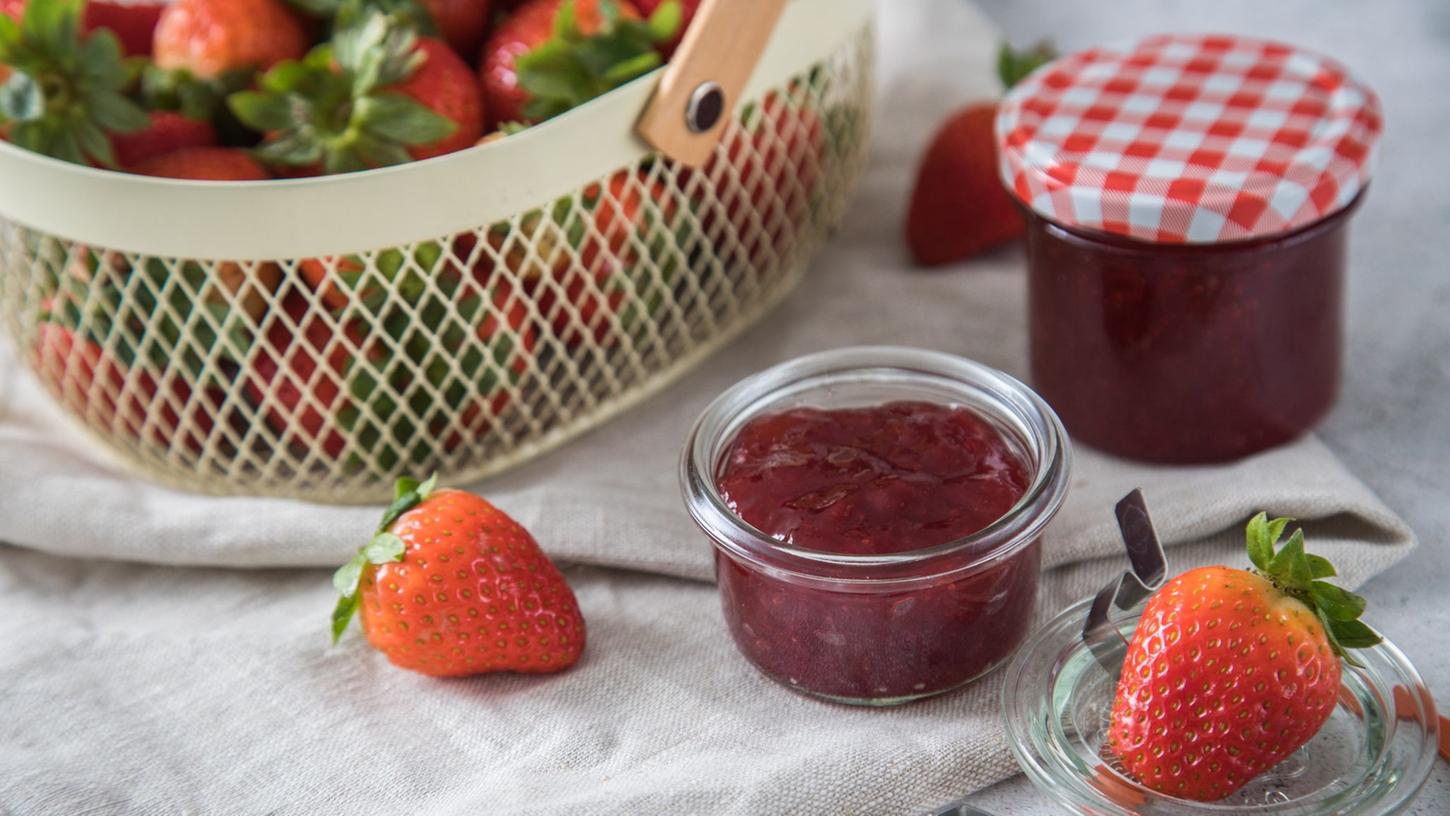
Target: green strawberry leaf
{"x": 1339, "y": 648}
{"x": 335, "y": 108}
{"x": 342, "y": 615}
{"x": 64, "y": 93}
{"x": 261, "y": 111}
{"x": 1319, "y": 566}
{"x": 666, "y": 21}
{"x": 1015, "y": 66}
{"x": 345, "y": 579}
{"x": 570, "y": 68}
{"x": 1260, "y": 546}
{"x": 1298, "y": 574}
{"x": 1338, "y": 603}
{"x": 402, "y": 120}
{"x": 383, "y": 548}
{"x": 1353, "y": 634}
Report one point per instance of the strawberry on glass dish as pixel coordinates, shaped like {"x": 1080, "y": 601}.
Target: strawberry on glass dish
{"x": 1232, "y": 690}
{"x": 876, "y": 515}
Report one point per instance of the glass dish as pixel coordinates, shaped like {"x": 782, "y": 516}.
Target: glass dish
{"x": 1371, "y": 757}
{"x": 879, "y": 628}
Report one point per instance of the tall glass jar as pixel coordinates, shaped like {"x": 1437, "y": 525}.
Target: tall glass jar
{"x": 1188, "y": 200}
{"x": 880, "y": 628}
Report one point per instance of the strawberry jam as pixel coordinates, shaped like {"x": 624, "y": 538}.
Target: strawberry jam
{"x": 889, "y": 479}
{"x": 1188, "y": 353}
{"x": 876, "y": 515}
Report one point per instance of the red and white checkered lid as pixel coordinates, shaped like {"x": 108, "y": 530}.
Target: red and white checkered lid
{"x": 1188, "y": 139}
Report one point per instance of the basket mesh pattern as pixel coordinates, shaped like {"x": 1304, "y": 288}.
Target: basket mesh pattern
{"x": 326, "y": 378}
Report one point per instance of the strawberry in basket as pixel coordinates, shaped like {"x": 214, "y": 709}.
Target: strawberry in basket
{"x": 769, "y": 170}
{"x": 141, "y": 339}
{"x": 553, "y": 55}
{"x": 588, "y": 265}
{"x": 320, "y": 375}
{"x": 376, "y": 95}
{"x": 210, "y": 38}
{"x": 65, "y": 91}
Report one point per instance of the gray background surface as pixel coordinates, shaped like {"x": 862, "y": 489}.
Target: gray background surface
{"x": 1392, "y": 424}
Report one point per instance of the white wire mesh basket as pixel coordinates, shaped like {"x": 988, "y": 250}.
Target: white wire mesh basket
{"x": 317, "y": 338}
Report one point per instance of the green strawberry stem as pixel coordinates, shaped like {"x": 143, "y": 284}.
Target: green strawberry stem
{"x": 334, "y": 107}
{"x": 65, "y": 92}
{"x": 1014, "y": 66}
{"x": 571, "y": 68}
{"x": 384, "y": 547}
{"x": 1299, "y": 574}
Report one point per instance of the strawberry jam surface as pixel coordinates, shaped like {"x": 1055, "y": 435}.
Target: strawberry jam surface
{"x": 888, "y": 479}
{"x": 1187, "y": 353}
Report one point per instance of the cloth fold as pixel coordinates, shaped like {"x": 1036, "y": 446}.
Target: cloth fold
{"x": 169, "y": 684}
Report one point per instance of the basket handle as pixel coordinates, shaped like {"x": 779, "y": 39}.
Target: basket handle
{"x": 691, "y": 106}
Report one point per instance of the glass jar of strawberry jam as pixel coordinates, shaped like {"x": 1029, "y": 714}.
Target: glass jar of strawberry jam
{"x": 877, "y": 516}
{"x": 1187, "y": 201}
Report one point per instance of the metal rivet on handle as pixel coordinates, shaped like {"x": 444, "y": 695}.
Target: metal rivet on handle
{"x": 706, "y": 106}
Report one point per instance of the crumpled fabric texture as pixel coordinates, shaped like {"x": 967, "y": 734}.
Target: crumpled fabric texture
{"x": 144, "y": 674}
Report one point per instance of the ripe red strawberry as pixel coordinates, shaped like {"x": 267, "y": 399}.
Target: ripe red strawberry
{"x": 688, "y": 9}
{"x": 331, "y": 380}
{"x": 64, "y": 91}
{"x": 205, "y": 164}
{"x": 167, "y": 133}
{"x": 134, "y": 23}
{"x": 767, "y": 174}
{"x": 445, "y": 84}
{"x": 461, "y": 23}
{"x": 212, "y": 37}
{"x": 301, "y": 391}
{"x": 1230, "y": 671}
{"x": 377, "y": 95}
{"x": 958, "y": 206}
{"x": 90, "y": 380}
{"x": 451, "y": 586}
{"x": 628, "y": 221}
{"x": 553, "y": 55}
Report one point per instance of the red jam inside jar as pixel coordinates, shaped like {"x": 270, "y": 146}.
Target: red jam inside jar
{"x": 1189, "y": 353}
{"x": 883, "y": 552}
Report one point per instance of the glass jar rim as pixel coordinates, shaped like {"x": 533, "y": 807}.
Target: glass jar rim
{"x": 1017, "y": 528}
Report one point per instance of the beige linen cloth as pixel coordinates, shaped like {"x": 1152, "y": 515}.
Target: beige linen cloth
{"x": 181, "y": 686}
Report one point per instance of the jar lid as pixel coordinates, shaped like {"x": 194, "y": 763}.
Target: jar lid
{"x": 1188, "y": 139}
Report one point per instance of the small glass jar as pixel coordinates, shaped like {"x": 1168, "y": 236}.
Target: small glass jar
{"x": 1186, "y": 353}
{"x": 879, "y": 629}
{"x": 1187, "y": 199}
